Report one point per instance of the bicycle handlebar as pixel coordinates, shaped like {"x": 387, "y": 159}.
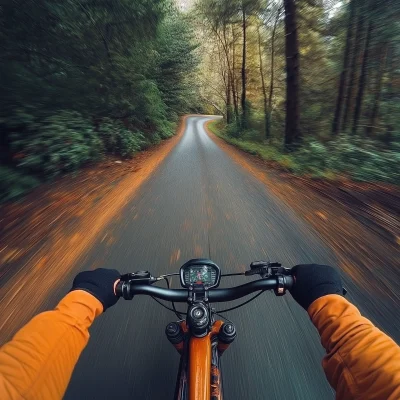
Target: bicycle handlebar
{"x": 128, "y": 289}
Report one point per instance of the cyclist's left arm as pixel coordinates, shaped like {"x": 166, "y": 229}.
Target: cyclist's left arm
{"x": 38, "y": 362}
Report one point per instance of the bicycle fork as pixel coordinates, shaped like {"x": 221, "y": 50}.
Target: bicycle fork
{"x": 219, "y": 339}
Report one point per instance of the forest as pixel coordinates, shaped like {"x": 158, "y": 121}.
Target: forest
{"x": 311, "y": 85}
{"x": 81, "y": 79}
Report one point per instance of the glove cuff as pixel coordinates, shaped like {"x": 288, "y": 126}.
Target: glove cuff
{"x": 320, "y": 291}
{"x": 91, "y": 289}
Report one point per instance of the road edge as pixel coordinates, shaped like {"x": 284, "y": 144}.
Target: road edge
{"x": 39, "y": 276}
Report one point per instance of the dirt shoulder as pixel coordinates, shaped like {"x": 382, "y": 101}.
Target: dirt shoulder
{"x": 44, "y": 235}
{"x": 358, "y": 221}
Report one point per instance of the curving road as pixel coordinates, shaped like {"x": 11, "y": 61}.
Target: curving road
{"x": 200, "y": 203}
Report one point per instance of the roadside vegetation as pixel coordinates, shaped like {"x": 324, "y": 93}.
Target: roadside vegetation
{"x": 83, "y": 79}
{"x": 338, "y": 159}
{"x": 312, "y": 86}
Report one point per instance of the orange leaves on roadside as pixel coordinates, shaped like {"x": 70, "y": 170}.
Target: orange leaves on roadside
{"x": 10, "y": 255}
{"x": 321, "y": 215}
{"x": 41, "y": 263}
{"x": 75, "y": 238}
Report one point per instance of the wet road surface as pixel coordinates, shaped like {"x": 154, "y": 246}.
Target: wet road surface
{"x": 200, "y": 203}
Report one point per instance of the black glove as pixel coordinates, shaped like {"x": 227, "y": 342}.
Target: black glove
{"x": 313, "y": 281}
{"x": 99, "y": 283}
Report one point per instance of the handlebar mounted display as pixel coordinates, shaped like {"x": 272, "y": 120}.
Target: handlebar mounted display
{"x": 200, "y": 272}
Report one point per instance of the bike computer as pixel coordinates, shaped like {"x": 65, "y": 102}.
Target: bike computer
{"x": 200, "y": 271}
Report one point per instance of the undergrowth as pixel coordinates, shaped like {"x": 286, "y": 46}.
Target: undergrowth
{"x": 357, "y": 159}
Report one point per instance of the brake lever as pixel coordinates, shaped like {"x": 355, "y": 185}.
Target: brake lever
{"x": 139, "y": 277}
{"x": 267, "y": 269}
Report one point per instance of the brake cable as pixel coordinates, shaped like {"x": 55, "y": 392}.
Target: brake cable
{"x": 173, "y": 303}
{"x": 177, "y": 313}
{"x": 242, "y": 304}
{"x": 222, "y": 316}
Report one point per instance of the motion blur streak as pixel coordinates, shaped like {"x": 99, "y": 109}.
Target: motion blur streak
{"x": 60, "y": 255}
{"x": 199, "y": 202}
{"x": 204, "y": 199}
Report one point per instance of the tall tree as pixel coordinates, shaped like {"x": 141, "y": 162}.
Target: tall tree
{"x": 216, "y": 17}
{"x": 272, "y": 74}
{"x": 392, "y": 94}
{"x": 363, "y": 79}
{"x": 227, "y": 77}
{"x": 343, "y": 74}
{"x": 374, "y": 112}
{"x": 356, "y": 51}
{"x": 244, "y": 78}
{"x": 292, "y": 128}
{"x": 233, "y": 76}
{"x": 263, "y": 88}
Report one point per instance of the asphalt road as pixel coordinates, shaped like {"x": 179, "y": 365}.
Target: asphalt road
{"x": 201, "y": 203}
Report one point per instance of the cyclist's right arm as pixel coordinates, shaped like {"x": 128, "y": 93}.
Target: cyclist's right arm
{"x": 361, "y": 362}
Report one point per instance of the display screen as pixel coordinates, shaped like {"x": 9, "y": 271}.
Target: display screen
{"x": 200, "y": 274}
{"x": 195, "y": 273}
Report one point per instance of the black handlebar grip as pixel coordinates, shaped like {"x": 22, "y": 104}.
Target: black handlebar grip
{"x": 123, "y": 289}
{"x": 118, "y": 289}
{"x": 289, "y": 281}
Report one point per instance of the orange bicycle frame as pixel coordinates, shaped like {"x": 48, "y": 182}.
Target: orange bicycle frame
{"x": 199, "y": 376}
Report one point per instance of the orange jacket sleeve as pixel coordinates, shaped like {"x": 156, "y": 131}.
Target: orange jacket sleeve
{"x": 38, "y": 362}
{"x": 361, "y": 362}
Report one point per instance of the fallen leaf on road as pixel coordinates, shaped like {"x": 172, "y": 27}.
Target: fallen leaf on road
{"x": 321, "y": 215}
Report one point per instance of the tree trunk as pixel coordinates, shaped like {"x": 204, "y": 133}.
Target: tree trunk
{"x": 233, "y": 81}
{"x": 243, "y": 99}
{"x": 362, "y": 81}
{"x": 271, "y": 82}
{"x": 373, "y": 119}
{"x": 390, "y": 97}
{"x": 228, "y": 103}
{"x": 343, "y": 75}
{"x": 351, "y": 87}
{"x": 292, "y": 129}
{"x": 229, "y": 83}
{"x": 225, "y": 80}
{"x": 263, "y": 85}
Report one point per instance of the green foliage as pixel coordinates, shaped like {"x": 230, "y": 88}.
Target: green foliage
{"x": 67, "y": 65}
{"x": 355, "y": 158}
{"x": 177, "y": 64}
{"x": 358, "y": 159}
{"x": 59, "y": 143}
{"x": 119, "y": 140}
{"x": 13, "y": 184}
{"x": 166, "y": 129}
{"x": 232, "y": 130}
{"x": 349, "y": 83}
{"x": 253, "y": 126}
{"x": 270, "y": 153}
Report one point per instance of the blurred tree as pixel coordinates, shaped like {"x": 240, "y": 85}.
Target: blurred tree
{"x": 343, "y": 74}
{"x": 292, "y": 126}
{"x": 348, "y": 80}
{"x": 131, "y": 62}
{"x": 356, "y": 52}
{"x": 363, "y": 78}
{"x": 263, "y": 88}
